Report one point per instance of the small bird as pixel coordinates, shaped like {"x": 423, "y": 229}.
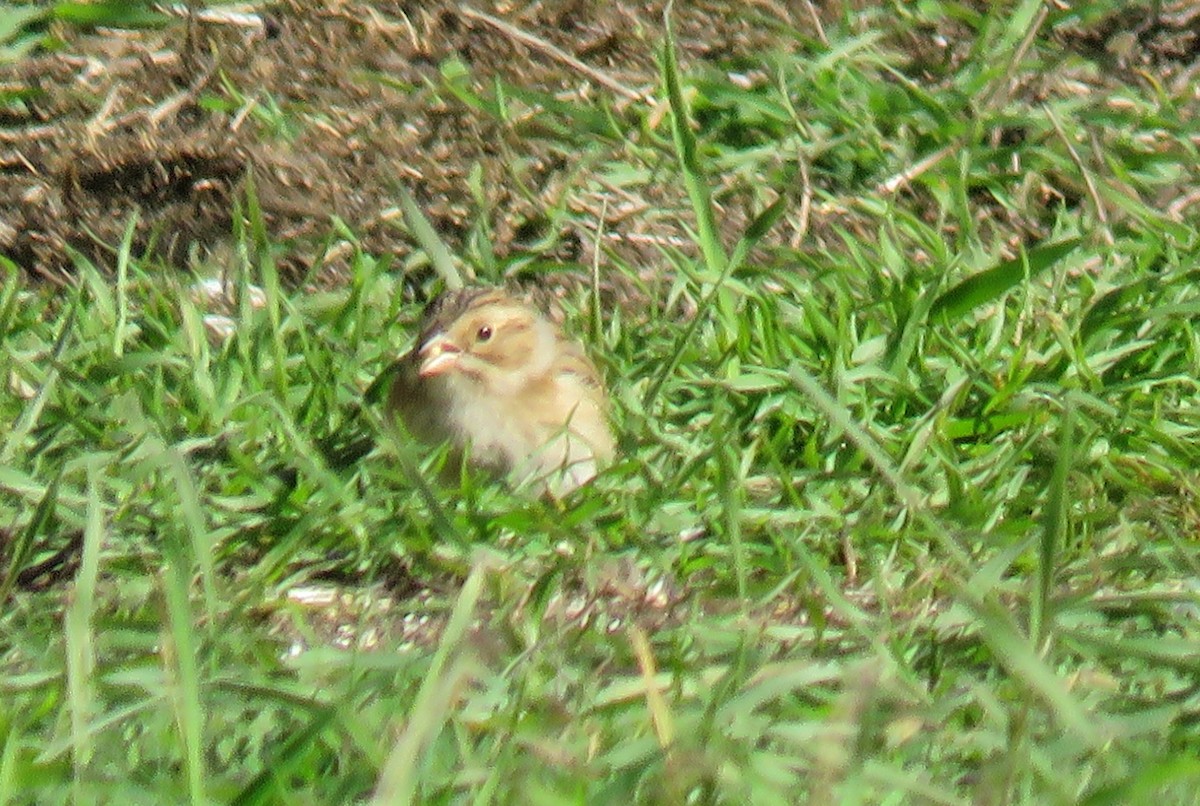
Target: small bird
{"x": 500, "y": 382}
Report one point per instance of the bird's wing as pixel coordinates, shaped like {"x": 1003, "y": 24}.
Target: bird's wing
{"x": 572, "y": 360}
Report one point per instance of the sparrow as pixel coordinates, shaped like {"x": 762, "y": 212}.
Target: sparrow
{"x": 491, "y": 375}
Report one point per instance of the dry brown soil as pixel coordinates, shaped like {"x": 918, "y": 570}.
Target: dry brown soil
{"x": 328, "y": 106}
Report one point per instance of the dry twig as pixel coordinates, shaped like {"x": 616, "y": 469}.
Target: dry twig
{"x": 554, "y": 52}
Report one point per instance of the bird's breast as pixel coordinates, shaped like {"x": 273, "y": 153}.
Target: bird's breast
{"x": 499, "y": 429}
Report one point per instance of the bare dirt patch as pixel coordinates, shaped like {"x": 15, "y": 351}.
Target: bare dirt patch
{"x": 326, "y": 109}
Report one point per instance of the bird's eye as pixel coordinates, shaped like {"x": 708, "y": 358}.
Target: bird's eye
{"x": 484, "y": 333}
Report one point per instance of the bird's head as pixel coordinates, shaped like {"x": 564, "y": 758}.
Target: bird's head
{"x": 485, "y": 337}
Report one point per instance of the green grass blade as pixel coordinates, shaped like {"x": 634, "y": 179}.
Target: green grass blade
{"x": 1053, "y": 526}
{"x": 434, "y": 247}
{"x": 123, "y": 256}
{"x": 81, "y": 658}
{"x": 8, "y": 296}
{"x": 708, "y": 233}
{"x": 191, "y": 511}
{"x": 110, "y": 14}
{"x": 182, "y": 666}
{"x": 10, "y": 746}
{"x": 989, "y": 285}
{"x": 1149, "y": 782}
{"x": 22, "y": 548}
{"x": 33, "y": 411}
{"x": 268, "y": 274}
{"x": 397, "y": 782}
{"x": 267, "y": 786}
{"x": 16, "y": 18}
{"x": 761, "y": 224}
{"x": 732, "y": 491}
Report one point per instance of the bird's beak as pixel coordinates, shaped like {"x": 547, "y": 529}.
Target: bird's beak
{"x": 439, "y": 354}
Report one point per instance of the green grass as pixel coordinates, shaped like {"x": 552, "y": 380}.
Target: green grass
{"x": 906, "y": 511}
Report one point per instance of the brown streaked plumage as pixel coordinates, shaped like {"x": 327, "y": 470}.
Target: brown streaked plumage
{"x": 502, "y": 383}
